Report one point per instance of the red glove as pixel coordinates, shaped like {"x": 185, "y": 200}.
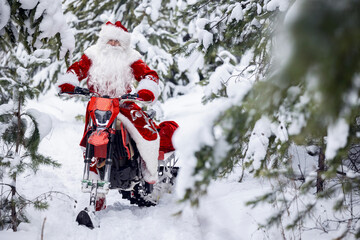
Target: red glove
{"x": 67, "y": 87}
{"x": 146, "y": 95}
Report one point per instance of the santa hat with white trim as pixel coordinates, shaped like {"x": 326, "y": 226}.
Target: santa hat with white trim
{"x": 116, "y": 31}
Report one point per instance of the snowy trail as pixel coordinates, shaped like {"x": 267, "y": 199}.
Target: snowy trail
{"x": 222, "y": 214}
{"x": 119, "y": 220}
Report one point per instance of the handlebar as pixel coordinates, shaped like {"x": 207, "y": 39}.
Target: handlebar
{"x": 78, "y": 91}
{"x": 83, "y": 91}
{"x": 128, "y": 97}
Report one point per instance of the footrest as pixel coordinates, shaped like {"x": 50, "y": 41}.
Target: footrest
{"x": 101, "y": 186}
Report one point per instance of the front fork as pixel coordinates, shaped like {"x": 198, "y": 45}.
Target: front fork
{"x": 109, "y": 154}
{"x": 102, "y": 186}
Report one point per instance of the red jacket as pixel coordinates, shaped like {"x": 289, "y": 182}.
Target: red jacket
{"x": 140, "y": 69}
{"x": 148, "y": 79}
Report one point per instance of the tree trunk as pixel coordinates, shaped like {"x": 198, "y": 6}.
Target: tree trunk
{"x": 14, "y": 219}
{"x": 1, "y": 206}
{"x": 321, "y": 168}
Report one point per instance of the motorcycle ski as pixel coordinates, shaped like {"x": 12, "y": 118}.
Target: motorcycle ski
{"x": 111, "y": 150}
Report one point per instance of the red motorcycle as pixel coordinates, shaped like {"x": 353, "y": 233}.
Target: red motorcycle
{"x": 111, "y": 150}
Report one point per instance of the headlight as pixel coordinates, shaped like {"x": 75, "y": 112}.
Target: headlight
{"x": 102, "y": 117}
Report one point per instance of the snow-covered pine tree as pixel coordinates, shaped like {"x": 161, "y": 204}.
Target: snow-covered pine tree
{"x": 305, "y": 64}
{"x": 156, "y": 34}
{"x": 28, "y": 36}
{"x": 222, "y": 33}
{"x": 317, "y": 90}
{"x": 228, "y": 50}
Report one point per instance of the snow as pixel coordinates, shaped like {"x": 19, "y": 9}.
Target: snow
{"x": 259, "y": 141}
{"x": 28, "y": 4}
{"x": 200, "y": 129}
{"x": 30, "y": 127}
{"x": 42, "y": 53}
{"x": 43, "y": 120}
{"x": 297, "y": 119}
{"x": 7, "y": 107}
{"x": 274, "y": 4}
{"x": 157, "y": 56}
{"x": 22, "y": 72}
{"x": 155, "y": 7}
{"x": 4, "y": 13}
{"x": 222, "y": 214}
{"x": 218, "y": 79}
{"x": 255, "y": 23}
{"x": 280, "y": 131}
{"x": 191, "y": 64}
{"x": 14, "y": 163}
{"x": 190, "y": 2}
{"x": 201, "y": 22}
{"x": 205, "y": 37}
{"x": 236, "y": 13}
{"x": 337, "y": 134}
{"x": 259, "y": 9}
{"x": 148, "y": 10}
{"x": 237, "y": 87}
{"x": 302, "y": 163}
{"x": 54, "y": 22}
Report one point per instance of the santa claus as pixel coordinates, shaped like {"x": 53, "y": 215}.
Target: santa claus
{"x": 111, "y": 68}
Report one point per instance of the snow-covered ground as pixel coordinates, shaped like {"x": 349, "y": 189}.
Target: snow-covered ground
{"x": 222, "y": 213}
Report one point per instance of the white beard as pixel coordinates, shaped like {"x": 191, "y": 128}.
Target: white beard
{"x": 110, "y": 72}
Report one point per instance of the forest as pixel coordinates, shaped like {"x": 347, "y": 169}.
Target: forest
{"x": 266, "y": 93}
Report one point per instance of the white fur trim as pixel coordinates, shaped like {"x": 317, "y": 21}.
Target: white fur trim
{"x": 116, "y": 33}
{"x": 91, "y": 51}
{"x": 70, "y": 78}
{"x": 149, "y": 150}
{"x": 150, "y": 85}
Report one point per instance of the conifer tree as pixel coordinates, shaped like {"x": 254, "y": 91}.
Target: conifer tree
{"x": 27, "y": 43}
{"x": 231, "y": 40}
{"x": 304, "y": 72}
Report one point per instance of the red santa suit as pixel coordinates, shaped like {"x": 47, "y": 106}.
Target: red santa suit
{"x": 113, "y": 70}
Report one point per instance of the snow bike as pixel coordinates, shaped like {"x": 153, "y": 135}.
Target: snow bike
{"x": 110, "y": 148}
